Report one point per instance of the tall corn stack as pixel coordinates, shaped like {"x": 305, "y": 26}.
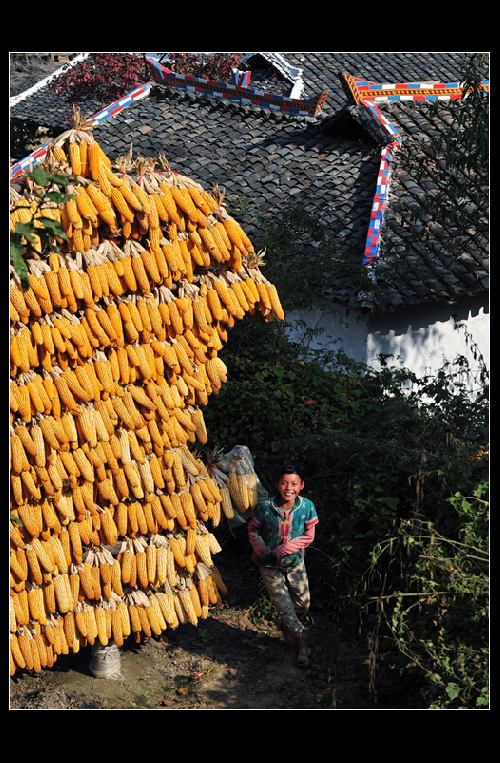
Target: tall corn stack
{"x": 114, "y": 347}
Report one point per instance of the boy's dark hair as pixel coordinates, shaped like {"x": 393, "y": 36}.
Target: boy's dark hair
{"x": 290, "y": 468}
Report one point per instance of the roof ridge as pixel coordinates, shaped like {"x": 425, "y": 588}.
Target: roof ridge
{"x": 164, "y": 91}
{"x": 245, "y": 96}
{"x": 429, "y": 90}
{"x": 15, "y": 99}
{"x": 291, "y": 72}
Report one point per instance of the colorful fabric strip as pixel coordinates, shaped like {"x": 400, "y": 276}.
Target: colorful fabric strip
{"x": 241, "y": 78}
{"x": 237, "y": 93}
{"x": 24, "y": 165}
{"x": 367, "y": 94}
{"x": 372, "y": 244}
{"x": 366, "y": 90}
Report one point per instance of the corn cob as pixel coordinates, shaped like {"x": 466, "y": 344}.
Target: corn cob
{"x": 126, "y": 566}
{"x": 135, "y": 621}
{"x": 100, "y": 618}
{"x": 169, "y": 203}
{"x": 96, "y": 582}
{"x": 141, "y": 519}
{"x": 20, "y": 571}
{"x": 104, "y": 208}
{"x": 142, "y": 569}
{"x": 16, "y": 652}
{"x": 116, "y": 581}
{"x": 155, "y": 607}
{"x": 63, "y": 598}
{"x": 121, "y": 204}
{"x": 179, "y": 609}
{"x": 144, "y": 620}
{"x": 109, "y": 527}
{"x": 84, "y": 164}
{"x": 200, "y": 427}
{"x": 187, "y": 605}
{"x": 176, "y": 550}
{"x": 91, "y": 623}
{"x": 116, "y": 628}
{"x": 196, "y": 602}
{"x": 124, "y": 618}
{"x": 158, "y": 512}
{"x": 213, "y": 593}
{"x": 21, "y": 607}
{"x": 275, "y": 301}
{"x": 24, "y": 643}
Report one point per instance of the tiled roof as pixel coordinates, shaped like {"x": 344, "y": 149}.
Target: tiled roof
{"x": 328, "y": 165}
{"x": 264, "y": 160}
{"x": 425, "y": 257}
{"x": 320, "y": 71}
{"x": 51, "y": 110}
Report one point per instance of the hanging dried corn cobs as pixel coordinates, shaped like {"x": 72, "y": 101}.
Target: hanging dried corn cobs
{"x": 114, "y": 348}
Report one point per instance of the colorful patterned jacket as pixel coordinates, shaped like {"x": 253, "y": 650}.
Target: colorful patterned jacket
{"x": 278, "y": 537}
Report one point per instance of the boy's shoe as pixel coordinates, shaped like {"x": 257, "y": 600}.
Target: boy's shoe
{"x": 302, "y": 650}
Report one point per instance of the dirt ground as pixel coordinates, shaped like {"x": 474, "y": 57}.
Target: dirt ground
{"x": 232, "y": 660}
{"x": 225, "y": 663}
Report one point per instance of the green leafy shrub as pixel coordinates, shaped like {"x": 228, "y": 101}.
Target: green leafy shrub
{"x": 383, "y": 451}
{"x": 49, "y": 188}
{"x": 101, "y": 75}
{"x": 436, "y": 610}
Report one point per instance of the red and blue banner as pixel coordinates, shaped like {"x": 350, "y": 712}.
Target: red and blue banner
{"x": 368, "y": 94}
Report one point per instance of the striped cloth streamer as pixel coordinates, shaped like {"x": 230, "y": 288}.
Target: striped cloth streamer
{"x": 419, "y": 90}
{"x": 372, "y": 244}
{"x": 241, "y": 78}
{"x": 122, "y": 103}
{"x": 367, "y": 93}
{"x": 24, "y": 165}
{"x": 374, "y": 112}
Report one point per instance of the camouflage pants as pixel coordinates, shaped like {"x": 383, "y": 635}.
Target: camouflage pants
{"x": 288, "y": 589}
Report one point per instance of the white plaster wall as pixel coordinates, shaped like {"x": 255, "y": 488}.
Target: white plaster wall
{"x": 330, "y": 328}
{"x": 423, "y": 338}
{"x": 420, "y": 338}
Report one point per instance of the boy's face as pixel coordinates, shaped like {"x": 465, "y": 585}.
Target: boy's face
{"x": 289, "y": 487}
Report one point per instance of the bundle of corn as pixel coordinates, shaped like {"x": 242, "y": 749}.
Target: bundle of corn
{"x": 235, "y": 476}
{"x": 114, "y": 348}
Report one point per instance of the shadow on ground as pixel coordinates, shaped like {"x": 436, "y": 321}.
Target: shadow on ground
{"x": 224, "y": 663}
{"x": 228, "y": 662}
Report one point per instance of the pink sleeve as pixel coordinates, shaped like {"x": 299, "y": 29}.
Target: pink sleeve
{"x": 291, "y": 546}
{"x": 255, "y": 538}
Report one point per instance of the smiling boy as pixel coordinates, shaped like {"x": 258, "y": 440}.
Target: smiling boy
{"x": 280, "y": 530}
